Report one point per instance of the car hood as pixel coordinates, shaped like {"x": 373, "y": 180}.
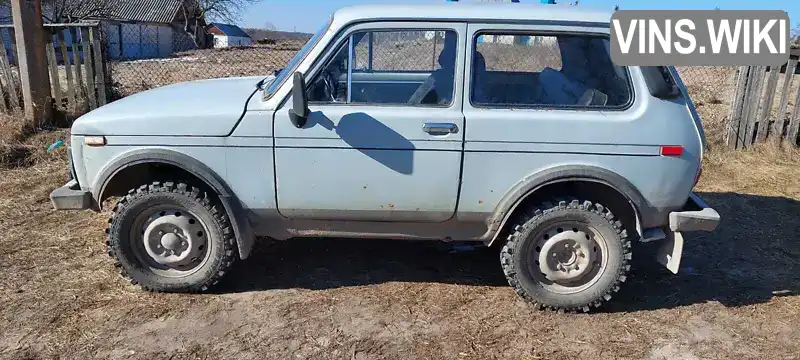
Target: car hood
{"x": 195, "y": 108}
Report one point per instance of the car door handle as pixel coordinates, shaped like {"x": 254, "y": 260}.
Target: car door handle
{"x": 440, "y": 128}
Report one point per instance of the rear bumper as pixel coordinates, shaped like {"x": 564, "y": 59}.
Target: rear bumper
{"x": 71, "y": 197}
{"x": 696, "y": 215}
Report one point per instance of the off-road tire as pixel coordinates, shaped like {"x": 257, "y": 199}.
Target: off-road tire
{"x": 529, "y": 224}
{"x": 222, "y": 251}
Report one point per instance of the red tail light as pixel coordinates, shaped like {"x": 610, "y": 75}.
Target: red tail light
{"x": 671, "y": 150}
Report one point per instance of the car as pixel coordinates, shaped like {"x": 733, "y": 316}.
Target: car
{"x": 507, "y": 125}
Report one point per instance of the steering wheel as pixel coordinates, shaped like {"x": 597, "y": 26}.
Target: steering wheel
{"x": 329, "y": 82}
{"x": 422, "y": 91}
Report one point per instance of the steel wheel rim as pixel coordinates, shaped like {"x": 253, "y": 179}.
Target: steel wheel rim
{"x": 555, "y": 262}
{"x": 164, "y": 251}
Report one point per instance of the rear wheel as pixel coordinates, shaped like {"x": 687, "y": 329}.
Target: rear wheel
{"x": 170, "y": 237}
{"x": 567, "y": 256}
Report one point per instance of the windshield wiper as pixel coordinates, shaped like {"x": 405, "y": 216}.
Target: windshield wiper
{"x": 260, "y": 84}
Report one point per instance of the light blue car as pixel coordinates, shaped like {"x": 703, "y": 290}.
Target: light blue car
{"x": 505, "y": 124}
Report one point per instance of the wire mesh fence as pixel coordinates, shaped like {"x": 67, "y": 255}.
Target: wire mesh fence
{"x": 412, "y": 50}
{"x": 142, "y": 57}
{"x": 712, "y": 90}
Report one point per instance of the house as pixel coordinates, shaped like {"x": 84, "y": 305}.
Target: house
{"x": 226, "y": 35}
{"x": 134, "y": 29}
{"x": 143, "y": 29}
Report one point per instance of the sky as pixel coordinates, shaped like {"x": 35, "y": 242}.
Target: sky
{"x": 309, "y": 15}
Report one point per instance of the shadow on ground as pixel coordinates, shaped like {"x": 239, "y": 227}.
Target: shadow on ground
{"x": 753, "y": 256}
{"x": 330, "y": 263}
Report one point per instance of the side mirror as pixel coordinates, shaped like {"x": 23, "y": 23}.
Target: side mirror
{"x": 299, "y": 112}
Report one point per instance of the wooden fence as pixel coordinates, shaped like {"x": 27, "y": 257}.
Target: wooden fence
{"x": 76, "y": 65}
{"x": 755, "y": 115}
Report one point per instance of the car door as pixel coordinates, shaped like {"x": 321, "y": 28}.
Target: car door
{"x": 383, "y": 141}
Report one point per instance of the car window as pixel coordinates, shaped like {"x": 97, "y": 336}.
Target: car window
{"x": 390, "y": 67}
{"x": 530, "y": 70}
{"x": 408, "y": 51}
{"x": 330, "y": 85}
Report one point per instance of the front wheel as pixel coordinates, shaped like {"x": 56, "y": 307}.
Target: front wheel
{"x": 170, "y": 237}
{"x": 566, "y": 256}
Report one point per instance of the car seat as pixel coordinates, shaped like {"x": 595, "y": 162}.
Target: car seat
{"x": 480, "y": 83}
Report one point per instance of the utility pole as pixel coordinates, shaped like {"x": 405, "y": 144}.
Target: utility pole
{"x": 30, "y": 36}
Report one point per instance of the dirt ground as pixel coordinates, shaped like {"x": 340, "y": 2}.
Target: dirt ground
{"x": 737, "y": 295}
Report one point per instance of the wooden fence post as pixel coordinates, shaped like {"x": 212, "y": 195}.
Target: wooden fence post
{"x": 780, "y": 120}
{"x": 88, "y": 60}
{"x": 99, "y": 68}
{"x": 54, "y": 76}
{"x": 68, "y": 67}
{"x": 794, "y": 122}
{"x": 11, "y": 84}
{"x": 751, "y": 105}
{"x": 736, "y": 116}
{"x": 30, "y": 36}
{"x": 76, "y": 61}
{"x": 766, "y": 107}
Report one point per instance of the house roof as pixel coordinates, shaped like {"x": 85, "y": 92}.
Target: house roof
{"x": 230, "y": 30}
{"x": 157, "y": 11}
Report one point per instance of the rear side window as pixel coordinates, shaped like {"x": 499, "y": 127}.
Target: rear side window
{"x": 660, "y": 82}
{"x": 547, "y": 70}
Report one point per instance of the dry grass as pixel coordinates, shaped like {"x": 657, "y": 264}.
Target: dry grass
{"x": 766, "y": 170}
{"x": 22, "y": 145}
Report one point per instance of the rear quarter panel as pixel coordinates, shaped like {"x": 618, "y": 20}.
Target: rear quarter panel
{"x": 504, "y": 147}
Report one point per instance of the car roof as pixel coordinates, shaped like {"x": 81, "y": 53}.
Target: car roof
{"x": 458, "y": 11}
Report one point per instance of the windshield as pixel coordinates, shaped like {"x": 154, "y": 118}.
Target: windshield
{"x": 283, "y": 73}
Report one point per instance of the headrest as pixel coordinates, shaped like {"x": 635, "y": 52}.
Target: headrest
{"x": 478, "y": 61}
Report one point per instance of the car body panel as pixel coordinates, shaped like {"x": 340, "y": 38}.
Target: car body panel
{"x": 373, "y": 165}
{"x": 214, "y": 108}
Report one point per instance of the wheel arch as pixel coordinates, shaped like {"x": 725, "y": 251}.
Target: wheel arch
{"x": 243, "y": 231}
{"x": 540, "y": 181}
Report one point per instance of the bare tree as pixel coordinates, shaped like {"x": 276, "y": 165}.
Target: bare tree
{"x": 195, "y": 12}
{"x": 796, "y": 36}
{"x": 68, "y": 11}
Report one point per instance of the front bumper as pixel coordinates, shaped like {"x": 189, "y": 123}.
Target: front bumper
{"x": 71, "y": 197}
{"x": 696, "y": 215}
